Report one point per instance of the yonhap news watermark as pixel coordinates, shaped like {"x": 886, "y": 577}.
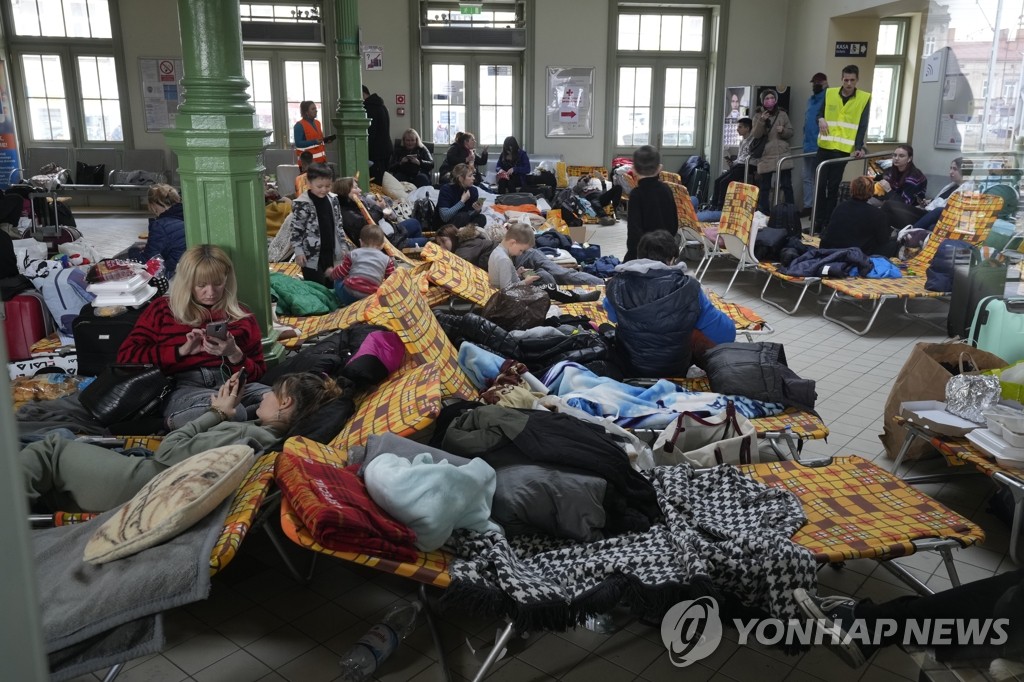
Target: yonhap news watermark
{"x": 692, "y": 630}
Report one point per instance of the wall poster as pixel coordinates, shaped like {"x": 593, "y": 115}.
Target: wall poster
{"x": 570, "y": 101}
{"x": 8, "y": 135}
{"x": 160, "y": 91}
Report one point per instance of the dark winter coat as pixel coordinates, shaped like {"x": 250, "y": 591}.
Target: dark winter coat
{"x": 379, "y": 135}
{"x": 828, "y": 263}
{"x": 657, "y": 310}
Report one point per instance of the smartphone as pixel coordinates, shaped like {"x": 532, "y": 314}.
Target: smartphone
{"x": 243, "y": 376}
{"x": 217, "y": 330}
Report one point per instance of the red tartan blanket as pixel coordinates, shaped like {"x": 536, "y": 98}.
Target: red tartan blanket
{"x": 340, "y": 515}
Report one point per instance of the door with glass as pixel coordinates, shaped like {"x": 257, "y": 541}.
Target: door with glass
{"x": 478, "y": 93}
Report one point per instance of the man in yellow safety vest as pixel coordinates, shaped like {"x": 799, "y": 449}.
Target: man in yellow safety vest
{"x": 842, "y": 125}
{"x": 309, "y": 136}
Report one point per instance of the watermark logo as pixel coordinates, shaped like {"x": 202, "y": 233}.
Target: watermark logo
{"x": 691, "y": 630}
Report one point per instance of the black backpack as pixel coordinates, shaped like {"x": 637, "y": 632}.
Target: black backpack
{"x": 425, "y": 212}
{"x": 786, "y": 217}
{"x": 569, "y": 204}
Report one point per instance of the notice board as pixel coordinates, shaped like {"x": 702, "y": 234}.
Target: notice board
{"x": 161, "y": 78}
{"x": 570, "y": 101}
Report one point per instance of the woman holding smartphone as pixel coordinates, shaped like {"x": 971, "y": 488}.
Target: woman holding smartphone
{"x": 459, "y": 202}
{"x": 411, "y": 161}
{"x": 68, "y": 475}
{"x": 200, "y": 335}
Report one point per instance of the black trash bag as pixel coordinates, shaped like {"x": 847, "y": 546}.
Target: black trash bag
{"x": 521, "y": 306}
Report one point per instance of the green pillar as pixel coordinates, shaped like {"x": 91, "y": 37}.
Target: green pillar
{"x": 350, "y": 121}
{"x": 220, "y": 150}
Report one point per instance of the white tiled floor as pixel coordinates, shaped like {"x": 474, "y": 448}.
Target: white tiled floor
{"x": 259, "y": 625}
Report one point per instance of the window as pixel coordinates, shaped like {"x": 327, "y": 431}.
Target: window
{"x": 887, "y": 83}
{"x": 279, "y": 81}
{"x": 659, "y": 95}
{"x": 257, "y": 72}
{"x": 100, "y": 105}
{"x": 478, "y": 93}
{"x": 301, "y": 83}
{"x": 61, "y": 18}
{"x": 66, "y": 78}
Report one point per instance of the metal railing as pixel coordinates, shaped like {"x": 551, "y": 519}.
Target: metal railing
{"x": 841, "y": 159}
{"x": 778, "y": 172}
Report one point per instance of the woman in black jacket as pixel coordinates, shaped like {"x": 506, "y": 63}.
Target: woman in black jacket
{"x": 463, "y": 150}
{"x": 411, "y": 161}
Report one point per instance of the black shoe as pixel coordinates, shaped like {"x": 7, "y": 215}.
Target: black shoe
{"x": 568, "y": 295}
{"x": 833, "y": 616}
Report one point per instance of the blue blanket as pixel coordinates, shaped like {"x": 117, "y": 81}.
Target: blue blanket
{"x": 635, "y": 407}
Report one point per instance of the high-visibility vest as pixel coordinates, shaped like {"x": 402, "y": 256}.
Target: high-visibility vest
{"x": 313, "y": 131}
{"x": 842, "y": 119}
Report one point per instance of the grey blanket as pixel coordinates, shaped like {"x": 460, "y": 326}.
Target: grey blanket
{"x": 66, "y": 412}
{"x": 95, "y": 616}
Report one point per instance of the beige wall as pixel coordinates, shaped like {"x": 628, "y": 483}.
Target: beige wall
{"x": 381, "y": 23}
{"x": 148, "y": 29}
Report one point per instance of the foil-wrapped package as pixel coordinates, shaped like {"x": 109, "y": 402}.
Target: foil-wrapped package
{"x": 968, "y": 395}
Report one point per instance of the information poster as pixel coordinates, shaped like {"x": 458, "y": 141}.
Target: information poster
{"x": 570, "y": 101}
{"x": 8, "y": 138}
{"x": 161, "y": 80}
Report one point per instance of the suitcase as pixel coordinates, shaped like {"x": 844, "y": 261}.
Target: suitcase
{"x": 998, "y": 327}
{"x": 972, "y": 282}
{"x": 97, "y": 339}
{"x": 26, "y": 320}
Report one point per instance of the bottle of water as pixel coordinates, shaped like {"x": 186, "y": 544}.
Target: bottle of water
{"x": 380, "y": 641}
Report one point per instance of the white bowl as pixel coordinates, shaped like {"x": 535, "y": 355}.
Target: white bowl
{"x": 993, "y": 423}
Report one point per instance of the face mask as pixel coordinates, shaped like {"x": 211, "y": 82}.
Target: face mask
{"x": 817, "y": 87}
{"x": 769, "y": 104}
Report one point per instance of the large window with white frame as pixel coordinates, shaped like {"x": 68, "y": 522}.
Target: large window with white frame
{"x": 478, "y": 93}
{"x": 65, "y": 72}
{"x": 660, "y": 81}
{"x": 887, "y": 80}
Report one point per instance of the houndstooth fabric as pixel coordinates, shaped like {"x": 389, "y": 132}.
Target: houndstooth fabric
{"x": 721, "y": 529}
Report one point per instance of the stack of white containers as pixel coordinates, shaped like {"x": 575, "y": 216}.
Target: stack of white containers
{"x": 127, "y": 292}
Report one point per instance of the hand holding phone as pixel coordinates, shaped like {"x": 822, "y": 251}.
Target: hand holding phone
{"x": 243, "y": 377}
{"x": 478, "y": 204}
{"x": 217, "y": 330}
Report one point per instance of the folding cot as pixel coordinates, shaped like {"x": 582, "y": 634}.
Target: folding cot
{"x": 967, "y": 217}
{"x": 854, "y": 509}
{"x": 959, "y": 452}
{"x": 735, "y": 233}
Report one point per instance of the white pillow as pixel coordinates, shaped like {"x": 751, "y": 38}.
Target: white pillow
{"x": 393, "y": 188}
{"x": 171, "y": 503}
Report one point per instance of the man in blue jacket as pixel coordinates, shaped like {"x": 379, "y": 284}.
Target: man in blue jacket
{"x": 819, "y": 82}
{"x": 658, "y": 309}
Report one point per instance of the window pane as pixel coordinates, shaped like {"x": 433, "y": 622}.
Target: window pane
{"x": 51, "y": 19}
{"x": 693, "y": 33}
{"x": 100, "y": 106}
{"x": 629, "y": 32}
{"x": 448, "y": 99}
{"x": 257, "y": 72}
{"x": 671, "y": 33}
{"x": 495, "y": 101}
{"x": 76, "y": 19}
{"x": 883, "y": 102}
{"x": 26, "y": 18}
{"x": 44, "y": 88}
{"x": 35, "y": 84}
{"x": 889, "y": 39}
{"x": 650, "y": 31}
{"x": 88, "y": 78}
{"x": 632, "y": 118}
{"x": 53, "y": 75}
{"x": 679, "y": 113}
{"x": 302, "y": 82}
{"x": 99, "y": 18}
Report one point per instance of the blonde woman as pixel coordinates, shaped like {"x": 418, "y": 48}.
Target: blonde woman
{"x": 200, "y": 335}
{"x": 411, "y": 161}
{"x": 166, "y": 228}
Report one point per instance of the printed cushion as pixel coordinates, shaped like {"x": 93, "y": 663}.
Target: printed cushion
{"x": 393, "y": 188}
{"x": 404, "y": 310}
{"x": 405, "y": 404}
{"x": 171, "y": 503}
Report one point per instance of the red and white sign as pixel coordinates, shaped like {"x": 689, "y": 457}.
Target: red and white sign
{"x": 399, "y": 99}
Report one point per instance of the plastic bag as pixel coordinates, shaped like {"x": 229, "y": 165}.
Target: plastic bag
{"x": 520, "y": 306}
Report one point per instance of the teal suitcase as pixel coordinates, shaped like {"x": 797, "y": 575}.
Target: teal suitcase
{"x": 998, "y": 327}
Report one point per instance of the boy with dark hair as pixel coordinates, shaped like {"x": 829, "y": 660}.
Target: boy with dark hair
{"x": 663, "y": 316}
{"x": 651, "y": 204}
{"x": 362, "y": 270}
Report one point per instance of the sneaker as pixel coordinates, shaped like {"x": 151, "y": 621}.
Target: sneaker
{"x": 830, "y": 613}
{"x": 607, "y": 220}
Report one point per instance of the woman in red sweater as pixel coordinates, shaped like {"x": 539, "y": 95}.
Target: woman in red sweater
{"x": 173, "y": 334}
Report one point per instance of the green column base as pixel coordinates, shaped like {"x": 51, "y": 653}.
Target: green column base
{"x": 273, "y": 352}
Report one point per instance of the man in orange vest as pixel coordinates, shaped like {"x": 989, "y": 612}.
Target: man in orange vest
{"x": 309, "y": 136}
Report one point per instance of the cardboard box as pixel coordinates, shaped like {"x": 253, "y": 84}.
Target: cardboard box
{"x": 27, "y": 368}
{"x": 932, "y": 415}
{"x": 581, "y": 234}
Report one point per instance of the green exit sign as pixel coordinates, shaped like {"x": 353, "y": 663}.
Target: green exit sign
{"x": 469, "y": 9}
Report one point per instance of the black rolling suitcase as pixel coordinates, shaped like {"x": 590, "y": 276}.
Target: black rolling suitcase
{"x": 98, "y": 338}
{"x": 973, "y": 281}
